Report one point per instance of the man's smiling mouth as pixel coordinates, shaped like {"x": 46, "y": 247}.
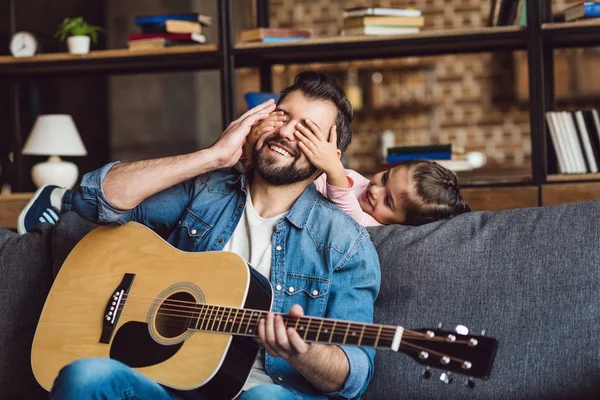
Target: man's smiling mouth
{"x": 280, "y": 150}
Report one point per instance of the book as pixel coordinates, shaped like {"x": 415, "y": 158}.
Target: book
{"x": 258, "y": 34}
{"x": 417, "y": 156}
{"x": 156, "y": 43}
{"x": 176, "y": 37}
{"x": 563, "y": 165}
{"x": 354, "y": 22}
{"x": 432, "y": 148}
{"x": 586, "y": 143}
{"x": 508, "y": 12}
{"x": 395, "y": 12}
{"x": 280, "y": 39}
{"x": 452, "y": 165}
{"x": 159, "y": 19}
{"x": 588, "y": 9}
{"x": 173, "y": 26}
{"x": 379, "y": 30}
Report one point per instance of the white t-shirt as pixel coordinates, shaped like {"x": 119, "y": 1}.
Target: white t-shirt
{"x": 251, "y": 240}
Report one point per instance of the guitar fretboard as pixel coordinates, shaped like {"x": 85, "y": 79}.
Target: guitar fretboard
{"x": 312, "y": 329}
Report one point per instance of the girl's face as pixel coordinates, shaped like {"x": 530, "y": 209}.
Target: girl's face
{"x": 383, "y": 198}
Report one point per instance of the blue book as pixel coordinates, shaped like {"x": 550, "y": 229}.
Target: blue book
{"x": 161, "y": 19}
{"x": 281, "y": 39}
{"x": 588, "y": 9}
{"x": 418, "y": 156}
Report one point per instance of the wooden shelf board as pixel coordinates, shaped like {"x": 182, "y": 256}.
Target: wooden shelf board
{"x": 573, "y": 177}
{"x": 430, "y": 42}
{"x": 116, "y": 60}
{"x": 573, "y": 34}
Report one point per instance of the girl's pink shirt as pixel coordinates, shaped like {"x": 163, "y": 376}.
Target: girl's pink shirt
{"x": 347, "y": 198}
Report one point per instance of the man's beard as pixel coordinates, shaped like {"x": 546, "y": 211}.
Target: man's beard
{"x": 280, "y": 176}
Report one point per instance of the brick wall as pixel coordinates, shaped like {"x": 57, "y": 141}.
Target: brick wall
{"x": 470, "y": 100}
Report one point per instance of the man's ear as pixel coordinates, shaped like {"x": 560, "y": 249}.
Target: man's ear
{"x": 339, "y": 153}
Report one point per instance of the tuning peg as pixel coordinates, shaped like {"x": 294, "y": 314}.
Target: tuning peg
{"x": 446, "y": 377}
{"x": 470, "y": 383}
{"x": 427, "y": 373}
{"x": 462, "y": 330}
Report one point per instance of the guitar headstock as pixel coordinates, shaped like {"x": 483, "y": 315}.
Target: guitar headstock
{"x": 461, "y": 353}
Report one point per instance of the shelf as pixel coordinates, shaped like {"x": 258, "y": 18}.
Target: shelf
{"x": 338, "y": 48}
{"x": 500, "y": 176}
{"x": 118, "y": 61}
{"x": 573, "y": 177}
{"x": 573, "y": 34}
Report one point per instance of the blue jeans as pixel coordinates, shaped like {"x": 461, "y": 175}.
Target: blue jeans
{"x": 104, "y": 378}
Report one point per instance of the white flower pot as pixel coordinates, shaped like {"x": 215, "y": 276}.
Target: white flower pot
{"x": 79, "y": 44}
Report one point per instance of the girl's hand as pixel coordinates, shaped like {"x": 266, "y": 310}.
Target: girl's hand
{"x": 322, "y": 152}
{"x": 275, "y": 120}
{"x": 258, "y": 133}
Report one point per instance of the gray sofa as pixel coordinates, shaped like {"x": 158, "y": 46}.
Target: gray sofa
{"x": 528, "y": 277}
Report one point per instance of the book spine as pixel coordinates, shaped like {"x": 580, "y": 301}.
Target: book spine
{"x": 281, "y": 39}
{"x": 446, "y": 148}
{"x": 160, "y": 19}
{"x": 591, "y": 10}
{"x": 419, "y": 156}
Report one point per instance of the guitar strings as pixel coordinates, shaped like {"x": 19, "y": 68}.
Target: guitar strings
{"x": 217, "y": 313}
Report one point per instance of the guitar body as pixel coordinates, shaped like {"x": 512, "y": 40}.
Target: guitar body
{"x": 108, "y": 301}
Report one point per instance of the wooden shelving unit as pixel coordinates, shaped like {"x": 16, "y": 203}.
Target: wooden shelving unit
{"x": 367, "y": 47}
{"x": 119, "y": 61}
{"x": 573, "y": 177}
{"x": 539, "y": 39}
{"x": 572, "y": 34}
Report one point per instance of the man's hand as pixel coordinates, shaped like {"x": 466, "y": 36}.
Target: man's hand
{"x": 279, "y": 341}
{"x": 322, "y": 152}
{"x": 324, "y": 366}
{"x": 228, "y": 148}
{"x": 260, "y": 130}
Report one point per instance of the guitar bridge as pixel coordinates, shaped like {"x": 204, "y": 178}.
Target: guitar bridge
{"x": 113, "y": 308}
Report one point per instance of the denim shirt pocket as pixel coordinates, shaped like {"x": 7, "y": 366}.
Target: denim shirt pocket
{"x": 189, "y": 231}
{"x": 308, "y": 291}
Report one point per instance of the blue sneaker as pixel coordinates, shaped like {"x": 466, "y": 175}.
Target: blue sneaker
{"x": 38, "y": 210}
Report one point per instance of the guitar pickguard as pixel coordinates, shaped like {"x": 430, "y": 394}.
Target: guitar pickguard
{"x": 133, "y": 346}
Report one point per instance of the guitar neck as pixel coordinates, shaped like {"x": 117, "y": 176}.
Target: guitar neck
{"x": 244, "y": 322}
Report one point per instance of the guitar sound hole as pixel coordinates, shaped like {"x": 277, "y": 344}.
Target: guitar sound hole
{"x": 174, "y": 314}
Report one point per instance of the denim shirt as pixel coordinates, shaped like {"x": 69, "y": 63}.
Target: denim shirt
{"x": 321, "y": 258}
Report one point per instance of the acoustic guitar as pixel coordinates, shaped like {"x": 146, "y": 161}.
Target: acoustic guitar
{"x": 189, "y": 320}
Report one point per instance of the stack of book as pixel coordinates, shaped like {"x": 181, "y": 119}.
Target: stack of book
{"x": 575, "y": 136}
{"x": 159, "y": 31}
{"x": 274, "y": 35}
{"x": 450, "y": 156}
{"x": 381, "y": 21}
{"x": 588, "y": 9}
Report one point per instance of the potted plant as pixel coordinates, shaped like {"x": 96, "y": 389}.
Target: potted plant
{"x": 79, "y": 34}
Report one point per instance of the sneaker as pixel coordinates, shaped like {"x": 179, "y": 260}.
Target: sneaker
{"x": 38, "y": 210}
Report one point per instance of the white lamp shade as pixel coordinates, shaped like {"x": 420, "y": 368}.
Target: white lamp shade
{"x": 54, "y": 134}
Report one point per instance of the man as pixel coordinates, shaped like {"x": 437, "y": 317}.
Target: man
{"x": 276, "y": 220}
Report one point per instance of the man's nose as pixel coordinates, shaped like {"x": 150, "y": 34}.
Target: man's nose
{"x": 287, "y": 130}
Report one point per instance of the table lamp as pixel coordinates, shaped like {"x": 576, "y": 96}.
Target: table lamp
{"x": 54, "y": 135}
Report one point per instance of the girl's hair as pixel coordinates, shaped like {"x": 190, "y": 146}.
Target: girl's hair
{"x": 437, "y": 194}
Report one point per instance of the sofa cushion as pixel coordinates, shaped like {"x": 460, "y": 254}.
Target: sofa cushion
{"x": 528, "y": 277}
{"x": 26, "y": 277}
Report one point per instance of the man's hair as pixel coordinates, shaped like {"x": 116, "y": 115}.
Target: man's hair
{"x": 437, "y": 194}
{"x": 319, "y": 86}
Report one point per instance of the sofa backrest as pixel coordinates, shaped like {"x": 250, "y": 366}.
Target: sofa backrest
{"x": 528, "y": 277}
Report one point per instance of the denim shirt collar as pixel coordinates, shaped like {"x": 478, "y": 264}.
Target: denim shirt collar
{"x": 300, "y": 212}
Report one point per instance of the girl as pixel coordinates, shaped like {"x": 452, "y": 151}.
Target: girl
{"x": 411, "y": 193}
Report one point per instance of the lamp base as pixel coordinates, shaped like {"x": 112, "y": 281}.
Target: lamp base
{"x": 55, "y": 172}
